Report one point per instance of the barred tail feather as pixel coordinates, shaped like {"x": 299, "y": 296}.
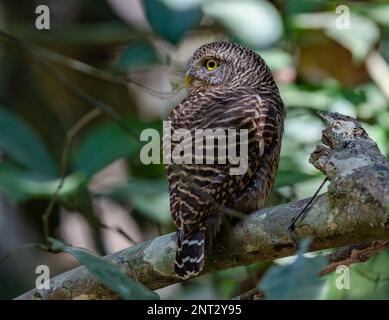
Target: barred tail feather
{"x": 190, "y": 254}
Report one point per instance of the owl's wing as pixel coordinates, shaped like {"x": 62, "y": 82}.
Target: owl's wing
{"x": 196, "y": 190}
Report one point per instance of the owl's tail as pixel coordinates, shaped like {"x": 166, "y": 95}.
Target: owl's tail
{"x": 190, "y": 254}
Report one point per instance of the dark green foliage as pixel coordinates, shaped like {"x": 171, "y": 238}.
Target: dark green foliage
{"x": 107, "y": 273}
{"x": 297, "y": 281}
{"x": 172, "y": 18}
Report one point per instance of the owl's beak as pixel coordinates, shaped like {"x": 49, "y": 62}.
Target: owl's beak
{"x": 188, "y": 79}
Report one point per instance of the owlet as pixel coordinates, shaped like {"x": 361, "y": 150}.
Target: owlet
{"x": 230, "y": 89}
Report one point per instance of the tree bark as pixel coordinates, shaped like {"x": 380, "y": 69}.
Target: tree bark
{"x": 354, "y": 210}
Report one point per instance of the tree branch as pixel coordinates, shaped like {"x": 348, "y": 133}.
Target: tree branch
{"x": 355, "y": 210}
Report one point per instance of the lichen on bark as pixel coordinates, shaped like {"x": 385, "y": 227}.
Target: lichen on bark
{"x": 354, "y": 210}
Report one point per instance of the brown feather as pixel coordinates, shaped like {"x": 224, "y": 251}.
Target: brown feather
{"x": 243, "y": 95}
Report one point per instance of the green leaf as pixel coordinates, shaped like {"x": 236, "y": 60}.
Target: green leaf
{"x": 374, "y": 102}
{"x": 149, "y": 197}
{"x": 22, "y": 144}
{"x": 379, "y": 135}
{"x": 107, "y": 273}
{"x": 299, "y": 280}
{"x": 103, "y": 145}
{"x": 276, "y": 59}
{"x": 21, "y": 185}
{"x": 298, "y": 6}
{"x": 138, "y": 54}
{"x": 255, "y": 23}
{"x": 172, "y": 18}
{"x": 367, "y": 280}
{"x": 379, "y": 13}
{"x": 298, "y": 96}
{"x": 362, "y": 35}
{"x": 359, "y": 37}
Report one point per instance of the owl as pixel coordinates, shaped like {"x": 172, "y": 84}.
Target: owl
{"x": 229, "y": 87}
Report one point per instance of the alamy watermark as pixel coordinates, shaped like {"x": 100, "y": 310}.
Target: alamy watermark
{"x": 197, "y": 147}
{"x": 342, "y": 21}
{"x": 42, "y": 22}
{"x": 343, "y": 280}
{"x": 43, "y": 280}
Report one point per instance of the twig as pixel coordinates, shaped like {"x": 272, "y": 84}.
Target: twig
{"x": 120, "y": 231}
{"x": 76, "y": 91}
{"x": 63, "y": 167}
{"x": 21, "y": 248}
{"x": 101, "y": 74}
{"x": 307, "y": 206}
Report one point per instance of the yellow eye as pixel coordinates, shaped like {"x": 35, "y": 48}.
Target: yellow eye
{"x": 211, "y": 64}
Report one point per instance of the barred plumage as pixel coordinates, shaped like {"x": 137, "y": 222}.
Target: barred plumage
{"x": 239, "y": 93}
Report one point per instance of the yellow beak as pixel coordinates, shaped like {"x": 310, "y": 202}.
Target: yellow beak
{"x": 188, "y": 79}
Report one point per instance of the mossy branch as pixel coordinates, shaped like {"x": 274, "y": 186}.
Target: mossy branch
{"x": 354, "y": 210}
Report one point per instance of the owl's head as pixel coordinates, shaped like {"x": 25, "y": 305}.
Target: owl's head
{"x": 221, "y": 63}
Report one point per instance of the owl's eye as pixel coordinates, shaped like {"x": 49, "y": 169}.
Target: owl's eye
{"x": 211, "y": 64}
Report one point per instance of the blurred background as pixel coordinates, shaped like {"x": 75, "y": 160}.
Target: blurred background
{"x": 131, "y": 55}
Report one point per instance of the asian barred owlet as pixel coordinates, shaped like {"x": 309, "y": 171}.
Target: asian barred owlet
{"x": 229, "y": 87}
